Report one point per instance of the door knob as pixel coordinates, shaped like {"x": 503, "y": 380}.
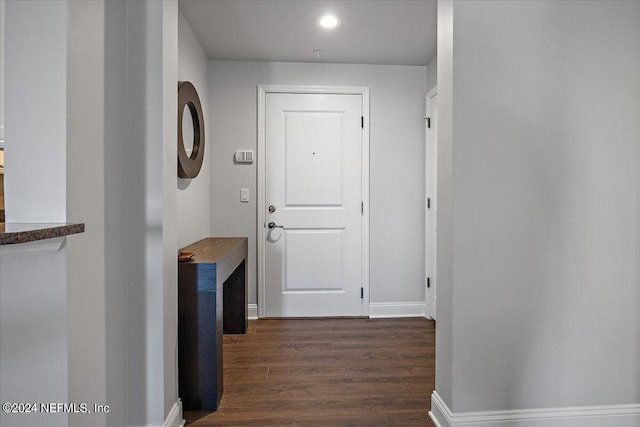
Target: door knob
{"x": 273, "y": 225}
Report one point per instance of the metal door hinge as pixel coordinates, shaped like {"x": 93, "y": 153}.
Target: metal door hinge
{"x": 361, "y": 293}
{"x": 428, "y": 202}
{"x": 428, "y": 282}
{"x": 429, "y": 122}
{"x": 362, "y": 122}
{"x": 362, "y": 208}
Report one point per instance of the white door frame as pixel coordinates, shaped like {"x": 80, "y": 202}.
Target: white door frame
{"x": 261, "y": 225}
{"x": 430, "y": 257}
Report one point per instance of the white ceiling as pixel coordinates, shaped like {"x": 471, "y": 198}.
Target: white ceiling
{"x": 371, "y": 31}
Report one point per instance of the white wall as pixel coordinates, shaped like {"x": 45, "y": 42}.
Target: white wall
{"x": 397, "y": 161}
{"x": 33, "y": 334}
{"x": 85, "y": 166}
{"x": 115, "y": 214}
{"x": 112, "y": 162}
{"x": 141, "y": 214}
{"x": 2, "y": 38}
{"x": 444, "y": 256}
{"x": 33, "y": 306}
{"x": 151, "y": 203}
{"x": 432, "y": 73}
{"x": 35, "y": 116}
{"x": 544, "y": 137}
{"x": 193, "y": 194}
{"x": 123, "y": 277}
{"x": 169, "y": 128}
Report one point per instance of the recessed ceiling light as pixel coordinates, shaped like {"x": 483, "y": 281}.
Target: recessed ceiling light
{"x": 328, "y": 21}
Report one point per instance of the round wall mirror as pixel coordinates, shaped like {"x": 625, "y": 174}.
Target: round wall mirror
{"x": 187, "y": 130}
{"x": 190, "y": 131}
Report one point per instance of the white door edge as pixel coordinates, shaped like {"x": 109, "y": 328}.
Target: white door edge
{"x": 261, "y": 164}
{"x": 430, "y": 259}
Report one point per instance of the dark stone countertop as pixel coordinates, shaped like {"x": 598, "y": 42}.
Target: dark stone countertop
{"x": 13, "y": 233}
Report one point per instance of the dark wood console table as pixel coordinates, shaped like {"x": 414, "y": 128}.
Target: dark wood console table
{"x": 212, "y": 299}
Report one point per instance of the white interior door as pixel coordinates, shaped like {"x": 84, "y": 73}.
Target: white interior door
{"x": 431, "y": 226}
{"x": 313, "y": 196}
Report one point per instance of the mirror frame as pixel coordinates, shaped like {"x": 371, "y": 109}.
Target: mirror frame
{"x": 189, "y": 166}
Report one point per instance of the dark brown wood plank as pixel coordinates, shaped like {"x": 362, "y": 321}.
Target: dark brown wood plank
{"x": 235, "y": 295}
{"x": 213, "y": 250}
{"x": 327, "y": 372}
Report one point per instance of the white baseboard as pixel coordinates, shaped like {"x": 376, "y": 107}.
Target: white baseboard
{"x": 175, "y": 419}
{"x": 376, "y": 309}
{"x": 582, "y": 416}
{"x": 434, "y": 419}
{"x": 396, "y": 309}
{"x": 253, "y": 311}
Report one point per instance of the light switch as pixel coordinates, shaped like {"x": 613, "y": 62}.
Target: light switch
{"x": 244, "y": 195}
{"x": 244, "y": 156}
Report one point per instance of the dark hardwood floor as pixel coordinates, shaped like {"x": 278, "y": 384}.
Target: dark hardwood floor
{"x": 327, "y": 372}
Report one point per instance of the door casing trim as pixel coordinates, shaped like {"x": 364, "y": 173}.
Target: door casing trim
{"x": 430, "y": 261}
{"x": 263, "y": 90}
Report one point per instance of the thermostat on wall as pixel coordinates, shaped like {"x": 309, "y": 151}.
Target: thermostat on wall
{"x": 244, "y": 156}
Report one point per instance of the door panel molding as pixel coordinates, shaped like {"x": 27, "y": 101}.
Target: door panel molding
{"x": 263, "y": 90}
